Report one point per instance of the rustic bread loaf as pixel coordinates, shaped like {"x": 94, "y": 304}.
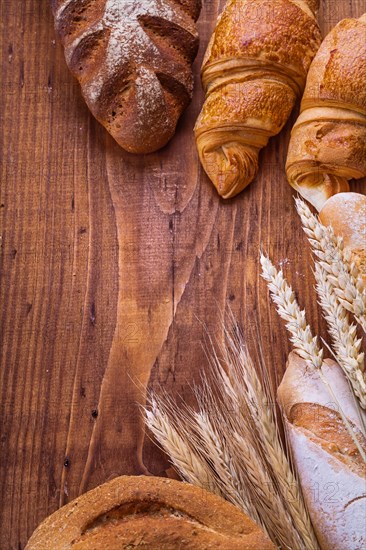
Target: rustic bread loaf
{"x": 133, "y": 61}
{"x": 331, "y": 469}
{"x": 148, "y": 512}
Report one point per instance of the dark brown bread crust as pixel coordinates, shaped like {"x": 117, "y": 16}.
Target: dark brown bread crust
{"x": 133, "y": 61}
{"x": 148, "y": 512}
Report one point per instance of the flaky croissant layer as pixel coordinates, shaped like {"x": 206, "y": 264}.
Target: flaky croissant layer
{"x": 254, "y": 69}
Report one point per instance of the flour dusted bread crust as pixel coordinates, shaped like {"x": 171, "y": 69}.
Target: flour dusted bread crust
{"x": 254, "y": 69}
{"x": 132, "y": 59}
{"x": 328, "y": 141}
{"x": 331, "y": 470}
{"x": 148, "y": 512}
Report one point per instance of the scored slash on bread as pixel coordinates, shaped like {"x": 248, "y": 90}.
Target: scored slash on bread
{"x": 133, "y": 60}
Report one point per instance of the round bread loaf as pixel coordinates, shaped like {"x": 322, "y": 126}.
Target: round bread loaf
{"x": 148, "y": 512}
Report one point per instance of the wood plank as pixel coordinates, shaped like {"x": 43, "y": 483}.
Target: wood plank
{"x": 110, "y": 265}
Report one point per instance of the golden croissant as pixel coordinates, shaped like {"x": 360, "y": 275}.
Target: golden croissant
{"x": 254, "y": 69}
{"x": 328, "y": 142}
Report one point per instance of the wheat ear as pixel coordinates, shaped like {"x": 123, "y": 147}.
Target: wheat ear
{"x": 187, "y": 462}
{"x": 283, "y": 296}
{"x": 196, "y": 450}
{"x": 344, "y": 335}
{"x": 214, "y": 449}
{"x": 336, "y": 261}
{"x": 339, "y": 292}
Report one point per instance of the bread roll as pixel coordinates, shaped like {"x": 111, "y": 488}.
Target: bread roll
{"x": 148, "y": 512}
{"x": 254, "y": 69}
{"x": 346, "y": 213}
{"x": 330, "y": 468}
{"x": 328, "y": 141}
{"x": 133, "y": 62}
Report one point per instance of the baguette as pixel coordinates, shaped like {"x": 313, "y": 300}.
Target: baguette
{"x": 148, "y": 512}
{"x": 254, "y": 68}
{"x": 133, "y": 62}
{"x": 331, "y": 469}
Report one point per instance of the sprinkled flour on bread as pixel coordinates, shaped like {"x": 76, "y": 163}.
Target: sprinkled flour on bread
{"x": 133, "y": 61}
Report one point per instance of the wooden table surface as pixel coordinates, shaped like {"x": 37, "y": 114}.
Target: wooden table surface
{"x": 111, "y": 264}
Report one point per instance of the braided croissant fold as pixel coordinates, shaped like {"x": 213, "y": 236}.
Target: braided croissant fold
{"x": 328, "y": 142}
{"x": 133, "y": 61}
{"x": 254, "y": 69}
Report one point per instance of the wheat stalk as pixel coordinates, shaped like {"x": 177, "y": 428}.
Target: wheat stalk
{"x": 259, "y": 405}
{"x": 305, "y": 343}
{"x": 235, "y": 441}
{"x": 337, "y": 263}
{"x": 268, "y": 432}
{"x": 344, "y": 335}
{"x": 340, "y": 290}
{"x": 235, "y": 437}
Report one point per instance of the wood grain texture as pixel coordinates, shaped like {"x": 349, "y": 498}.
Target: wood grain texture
{"x": 110, "y": 264}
